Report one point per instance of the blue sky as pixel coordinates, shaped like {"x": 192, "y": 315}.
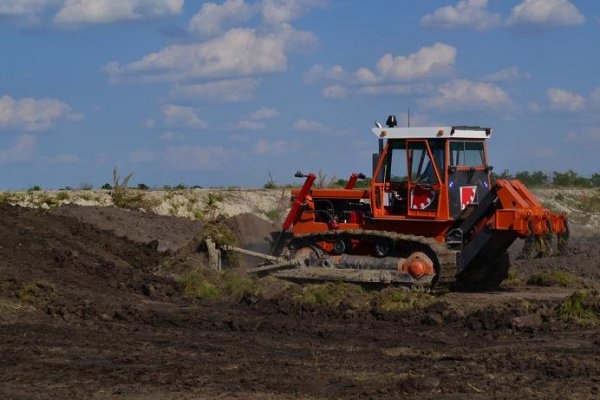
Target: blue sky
{"x": 225, "y": 93}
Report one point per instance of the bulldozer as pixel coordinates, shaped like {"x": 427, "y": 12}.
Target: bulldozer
{"x": 430, "y": 215}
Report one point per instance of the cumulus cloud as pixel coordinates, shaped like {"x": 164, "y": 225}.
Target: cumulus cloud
{"x": 175, "y": 115}
{"x": 107, "y": 11}
{"x": 264, "y": 113}
{"x": 427, "y": 61}
{"x": 238, "y": 52}
{"x": 468, "y": 13}
{"x": 273, "y": 148}
{"x": 33, "y": 114}
{"x": 283, "y": 11}
{"x": 507, "y": 74}
{"x": 595, "y": 98}
{"x": 221, "y": 91}
{"x": 212, "y": 18}
{"x": 22, "y": 150}
{"x": 376, "y": 90}
{"x": 561, "y": 99}
{"x": 23, "y": 8}
{"x": 464, "y": 94}
{"x": 322, "y": 73}
{"x": 255, "y": 121}
{"x": 539, "y": 13}
{"x": 307, "y": 125}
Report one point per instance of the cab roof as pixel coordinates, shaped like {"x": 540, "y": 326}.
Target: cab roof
{"x": 433, "y": 132}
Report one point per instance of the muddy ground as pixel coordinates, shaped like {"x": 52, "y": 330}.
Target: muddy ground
{"x": 91, "y": 306}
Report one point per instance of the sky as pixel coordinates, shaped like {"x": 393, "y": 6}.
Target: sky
{"x": 241, "y": 92}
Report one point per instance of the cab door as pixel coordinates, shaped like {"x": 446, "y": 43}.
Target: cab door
{"x": 424, "y": 178}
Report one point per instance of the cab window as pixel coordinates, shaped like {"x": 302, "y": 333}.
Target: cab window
{"x": 466, "y": 154}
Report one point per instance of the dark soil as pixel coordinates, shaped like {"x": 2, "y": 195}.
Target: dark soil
{"x": 87, "y": 311}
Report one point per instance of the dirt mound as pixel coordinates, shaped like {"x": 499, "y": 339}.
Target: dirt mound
{"x": 87, "y": 311}
{"x": 171, "y": 233}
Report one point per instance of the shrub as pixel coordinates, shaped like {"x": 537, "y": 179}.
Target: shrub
{"x": 123, "y": 197}
{"x": 62, "y": 195}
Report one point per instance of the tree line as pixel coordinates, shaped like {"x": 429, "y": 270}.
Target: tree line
{"x": 559, "y": 179}
{"x": 530, "y": 179}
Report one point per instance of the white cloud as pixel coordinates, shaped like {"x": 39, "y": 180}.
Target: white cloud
{"x": 545, "y": 13}
{"x": 254, "y": 120}
{"x": 23, "y": 8}
{"x": 307, "y": 125}
{"x": 107, "y": 11}
{"x": 322, "y": 73}
{"x": 33, "y": 114}
{"x": 377, "y": 90}
{"x": 249, "y": 125}
{"x": 222, "y": 91}
{"x": 461, "y": 94}
{"x": 22, "y": 150}
{"x": 283, "y": 11}
{"x": 595, "y": 97}
{"x": 273, "y": 148}
{"x": 426, "y": 62}
{"x": 469, "y": 13}
{"x": 507, "y": 74}
{"x": 194, "y": 157}
{"x": 239, "y": 52}
{"x": 561, "y": 99}
{"x": 212, "y": 17}
{"x": 182, "y": 116}
{"x": 264, "y": 113}
{"x": 166, "y": 136}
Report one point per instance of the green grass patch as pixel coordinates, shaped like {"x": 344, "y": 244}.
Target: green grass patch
{"x": 331, "y": 295}
{"x": 512, "y": 279}
{"x": 552, "y": 278}
{"x": 581, "y": 307}
{"x": 398, "y": 299}
{"x": 33, "y": 290}
{"x": 205, "y": 284}
{"x": 197, "y": 284}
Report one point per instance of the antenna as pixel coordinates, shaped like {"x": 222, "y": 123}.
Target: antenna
{"x": 408, "y": 119}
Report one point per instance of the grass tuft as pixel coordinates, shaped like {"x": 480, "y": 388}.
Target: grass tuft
{"x": 398, "y": 299}
{"x": 330, "y": 294}
{"x": 552, "y": 278}
{"x": 581, "y": 307}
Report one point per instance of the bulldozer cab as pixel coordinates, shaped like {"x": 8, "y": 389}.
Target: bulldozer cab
{"x": 429, "y": 173}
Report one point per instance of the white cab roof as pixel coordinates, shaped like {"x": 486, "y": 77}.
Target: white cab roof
{"x": 432, "y": 132}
